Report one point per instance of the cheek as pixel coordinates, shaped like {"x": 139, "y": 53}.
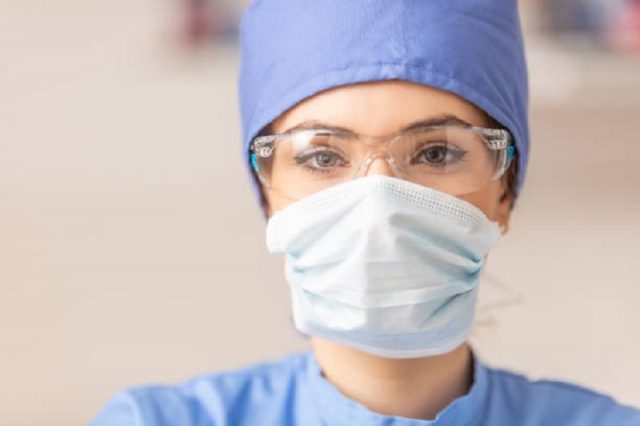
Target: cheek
{"x": 487, "y": 200}
{"x": 276, "y": 202}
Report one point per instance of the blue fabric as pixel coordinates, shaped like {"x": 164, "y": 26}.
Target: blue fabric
{"x": 292, "y": 391}
{"x": 291, "y": 50}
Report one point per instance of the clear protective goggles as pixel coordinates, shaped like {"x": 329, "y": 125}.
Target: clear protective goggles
{"x": 452, "y": 158}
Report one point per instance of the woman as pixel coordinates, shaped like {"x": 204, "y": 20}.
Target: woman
{"x": 388, "y": 142}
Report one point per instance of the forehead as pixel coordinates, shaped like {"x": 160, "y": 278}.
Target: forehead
{"x": 378, "y": 108}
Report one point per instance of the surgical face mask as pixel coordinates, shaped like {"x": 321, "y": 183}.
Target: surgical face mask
{"x": 383, "y": 265}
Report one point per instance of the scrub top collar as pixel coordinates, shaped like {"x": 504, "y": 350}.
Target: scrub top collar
{"x": 336, "y": 409}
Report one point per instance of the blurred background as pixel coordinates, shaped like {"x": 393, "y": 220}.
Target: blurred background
{"x": 132, "y": 250}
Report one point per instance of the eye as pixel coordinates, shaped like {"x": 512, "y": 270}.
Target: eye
{"x": 438, "y": 155}
{"x": 434, "y": 154}
{"x": 325, "y": 159}
{"x": 320, "y": 160}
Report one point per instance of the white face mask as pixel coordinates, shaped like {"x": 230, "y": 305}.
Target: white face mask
{"x": 384, "y": 265}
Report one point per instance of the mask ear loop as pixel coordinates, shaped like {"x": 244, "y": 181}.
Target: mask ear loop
{"x": 510, "y": 297}
{"x": 504, "y": 228}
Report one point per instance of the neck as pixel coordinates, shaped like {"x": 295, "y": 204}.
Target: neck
{"x": 416, "y": 388}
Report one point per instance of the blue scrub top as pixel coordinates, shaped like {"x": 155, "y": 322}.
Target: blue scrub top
{"x": 292, "y": 391}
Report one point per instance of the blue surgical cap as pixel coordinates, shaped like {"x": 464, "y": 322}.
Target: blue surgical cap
{"x": 293, "y": 49}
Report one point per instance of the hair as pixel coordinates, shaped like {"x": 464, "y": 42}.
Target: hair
{"x": 510, "y": 177}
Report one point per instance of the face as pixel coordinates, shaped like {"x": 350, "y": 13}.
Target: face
{"x": 382, "y": 108}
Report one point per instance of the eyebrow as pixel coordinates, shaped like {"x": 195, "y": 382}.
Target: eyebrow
{"x": 445, "y": 119}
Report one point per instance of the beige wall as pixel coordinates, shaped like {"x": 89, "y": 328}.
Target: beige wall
{"x": 132, "y": 251}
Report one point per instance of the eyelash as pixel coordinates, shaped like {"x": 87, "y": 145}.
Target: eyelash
{"x": 302, "y": 159}
{"x": 457, "y": 153}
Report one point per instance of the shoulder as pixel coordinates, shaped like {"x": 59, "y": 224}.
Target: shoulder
{"x": 208, "y": 399}
{"x": 555, "y": 402}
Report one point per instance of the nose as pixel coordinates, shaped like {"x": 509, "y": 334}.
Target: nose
{"x": 377, "y": 165}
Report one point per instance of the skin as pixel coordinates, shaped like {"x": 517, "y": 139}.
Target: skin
{"x": 421, "y": 387}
